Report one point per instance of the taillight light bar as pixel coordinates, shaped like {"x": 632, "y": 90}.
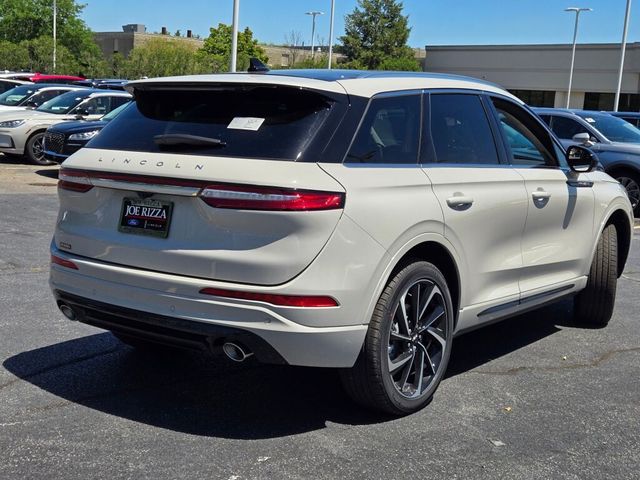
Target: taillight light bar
{"x": 74, "y": 180}
{"x": 304, "y": 301}
{"x": 248, "y": 197}
{"x": 233, "y": 196}
{"x": 63, "y": 262}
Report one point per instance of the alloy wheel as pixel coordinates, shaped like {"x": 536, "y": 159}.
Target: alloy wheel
{"x": 37, "y": 147}
{"x": 418, "y": 338}
{"x": 633, "y": 190}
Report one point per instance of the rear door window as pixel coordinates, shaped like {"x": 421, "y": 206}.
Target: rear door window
{"x": 460, "y": 131}
{"x": 389, "y": 133}
{"x": 251, "y": 121}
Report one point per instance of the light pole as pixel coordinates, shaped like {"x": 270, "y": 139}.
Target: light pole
{"x": 616, "y": 102}
{"x": 234, "y": 36}
{"x": 314, "y": 14}
{"x": 55, "y": 25}
{"x": 573, "y": 50}
{"x": 333, "y": 4}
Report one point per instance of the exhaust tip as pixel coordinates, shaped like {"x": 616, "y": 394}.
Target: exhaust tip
{"x": 68, "y": 312}
{"x": 235, "y": 352}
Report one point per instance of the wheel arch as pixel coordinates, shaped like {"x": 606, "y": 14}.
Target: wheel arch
{"x": 442, "y": 257}
{"x": 620, "y": 220}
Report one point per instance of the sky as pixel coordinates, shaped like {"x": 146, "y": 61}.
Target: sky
{"x": 433, "y": 22}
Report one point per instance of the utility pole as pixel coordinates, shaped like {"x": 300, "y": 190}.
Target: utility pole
{"x": 577, "y": 10}
{"x": 314, "y": 14}
{"x": 333, "y": 4}
{"x": 234, "y": 36}
{"x": 616, "y": 102}
{"x": 55, "y": 24}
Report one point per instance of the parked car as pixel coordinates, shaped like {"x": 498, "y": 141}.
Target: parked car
{"x": 616, "y": 142}
{"x": 9, "y": 83}
{"x": 22, "y": 132}
{"x": 65, "y": 138}
{"x": 344, "y": 219}
{"x": 31, "y": 96}
{"x": 632, "y": 117}
{"x": 107, "y": 83}
{"x": 44, "y": 78}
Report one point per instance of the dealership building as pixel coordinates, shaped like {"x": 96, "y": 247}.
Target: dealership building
{"x": 539, "y": 74}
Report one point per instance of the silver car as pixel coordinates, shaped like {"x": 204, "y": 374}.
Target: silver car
{"x": 344, "y": 219}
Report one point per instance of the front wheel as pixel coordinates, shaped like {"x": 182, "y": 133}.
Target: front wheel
{"x": 408, "y": 343}
{"x": 594, "y": 304}
{"x": 34, "y": 149}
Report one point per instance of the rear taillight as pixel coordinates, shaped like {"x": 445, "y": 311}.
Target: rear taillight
{"x": 63, "y": 262}
{"x": 304, "y": 301}
{"x": 74, "y": 180}
{"x": 269, "y": 198}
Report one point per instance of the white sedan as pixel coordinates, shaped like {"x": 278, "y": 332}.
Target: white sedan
{"x": 22, "y": 132}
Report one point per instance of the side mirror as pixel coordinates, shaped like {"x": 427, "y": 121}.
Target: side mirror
{"x": 581, "y": 159}
{"x": 583, "y": 139}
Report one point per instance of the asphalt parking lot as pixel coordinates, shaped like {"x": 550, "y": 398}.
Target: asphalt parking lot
{"x": 535, "y": 397}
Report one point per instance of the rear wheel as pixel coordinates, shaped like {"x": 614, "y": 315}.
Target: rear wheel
{"x": 594, "y": 304}
{"x": 34, "y": 149}
{"x": 631, "y": 182}
{"x": 408, "y": 343}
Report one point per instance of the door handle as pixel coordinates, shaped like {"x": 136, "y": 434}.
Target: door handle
{"x": 459, "y": 202}
{"x": 541, "y": 195}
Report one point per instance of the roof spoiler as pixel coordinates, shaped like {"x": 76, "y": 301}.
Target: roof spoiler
{"x": 255, "y": 65}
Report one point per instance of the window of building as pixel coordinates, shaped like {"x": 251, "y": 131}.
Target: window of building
{"x": 629, "y": 102}
{"x": 389, "y": 132}
{"x": 536, "y": 98}
{"x": 460, "y": 131}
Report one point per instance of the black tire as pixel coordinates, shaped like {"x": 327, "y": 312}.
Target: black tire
{"x": 371, "y": 382}
{"x": 631, "y": 182}
{"x": 33, "y": 150}
{"x": 594, "y": 305}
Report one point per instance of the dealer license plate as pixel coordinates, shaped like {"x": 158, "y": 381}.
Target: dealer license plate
{"x": 145, "y": 217}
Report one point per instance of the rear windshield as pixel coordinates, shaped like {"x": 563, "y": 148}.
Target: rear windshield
{"x": 237, "y": 121}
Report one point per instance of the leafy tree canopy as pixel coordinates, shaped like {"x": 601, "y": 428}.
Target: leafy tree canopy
{"x": 218, "y": 44}
{"x": 376, "y": 35}
{"x": 28, "y": 20}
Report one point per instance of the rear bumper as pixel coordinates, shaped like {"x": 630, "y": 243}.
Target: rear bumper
{"x": 158, "y": 307}
{"x": 164, "y": 329}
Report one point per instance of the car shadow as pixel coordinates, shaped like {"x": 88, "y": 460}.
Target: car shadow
{"x": 201, "y": 395}
{"x": 49, "y": 173}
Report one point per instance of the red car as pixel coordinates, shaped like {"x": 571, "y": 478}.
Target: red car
{"x": 41, "y": 78}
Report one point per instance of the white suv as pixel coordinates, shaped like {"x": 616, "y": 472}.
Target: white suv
{"x": 355, "y": 220}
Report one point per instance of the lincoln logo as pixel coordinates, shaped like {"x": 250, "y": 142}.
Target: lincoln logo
{"x": 148, "y": 212}
{"x": 159, "y": 164}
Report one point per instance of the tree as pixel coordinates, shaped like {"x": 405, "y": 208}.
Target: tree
{"x": 293, "y": 41}
{"x": 216, "y": 49}
{"x": 13, "y": 57}
{"x": 160, "y": 57}
{"x": 178, "y": 33}
{"x": 376, "y": 35}
{"x": 27, "y": 20}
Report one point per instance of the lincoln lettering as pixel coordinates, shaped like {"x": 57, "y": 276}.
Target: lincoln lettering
{"x": 148, "y": 212}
